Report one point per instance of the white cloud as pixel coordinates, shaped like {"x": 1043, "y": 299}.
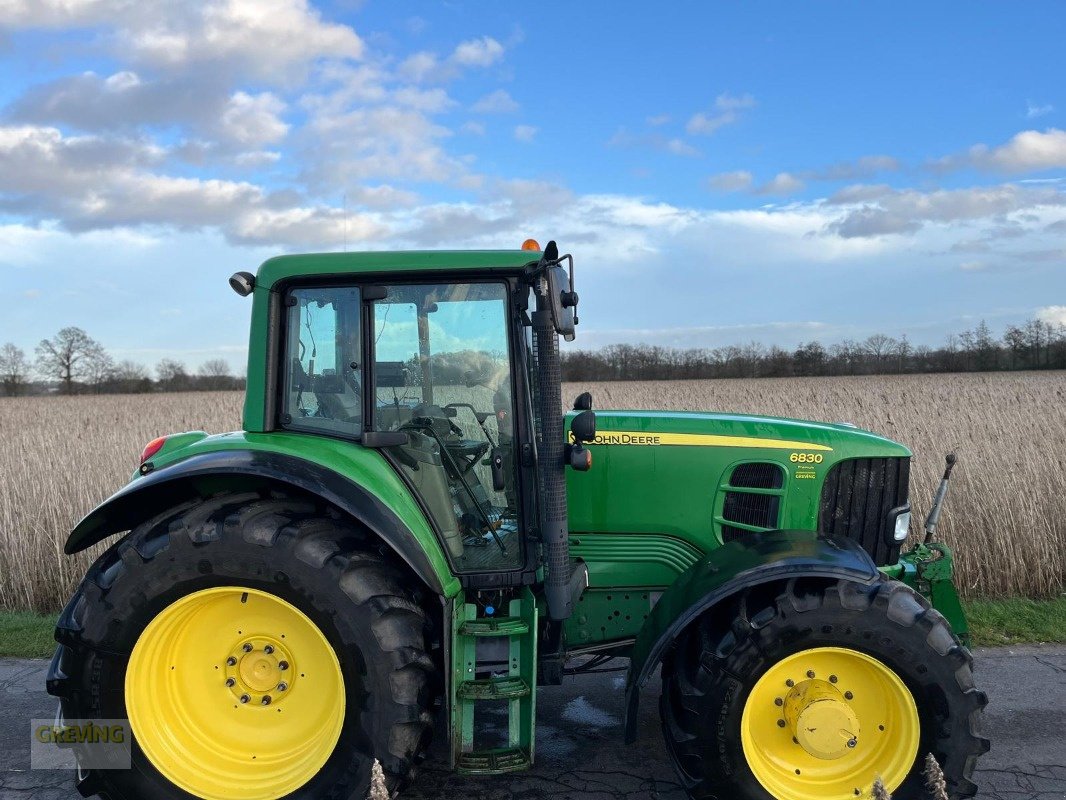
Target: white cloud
{"x": 61, "y": 13}
{"x": 473, "y": 128}
{"x": 1034, "y": 110}
{"x": 906, "y": 211}
{"x": 1028, "y": 151}
{"x": 727, "y": 110}
{"x": 388, "y": 142}
{"x": 254, "y": 120}
{"x": 497, "y": 102}
{"x": 481, "y": 52}
{"x": 783, "y": 183}
{"x": 419, "y": 66}
{"x": 471, "y": 54}
{"x": 658, "y": 119}
{"x": 525, "y": 133}
{"x": 267, "y": 38}
{"x": 654, "y": 141}
{"x": 678, "y": 147}
{"x": 863, "y": 167}
{"x": 736, "y": 181}
{"x": 92, "y": 184}
{"x": 1054, "y": 315}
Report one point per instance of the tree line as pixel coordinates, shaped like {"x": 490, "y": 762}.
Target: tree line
{"x": 72, "y": 362}
{"x": 1036, "y": 345}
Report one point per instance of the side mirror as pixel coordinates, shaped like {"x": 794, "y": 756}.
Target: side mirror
{"x": 583, "y": 402}
{"x": 583, "y": 427}
{"x": 563, "y": 302}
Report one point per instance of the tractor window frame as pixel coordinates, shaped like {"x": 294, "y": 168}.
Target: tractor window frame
{"x": 351, "y": 430}
{"x": 514, "y": 321}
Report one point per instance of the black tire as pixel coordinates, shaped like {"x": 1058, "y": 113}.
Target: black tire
{"x": 709, "y": 675}
{"x": 323, "y": 564}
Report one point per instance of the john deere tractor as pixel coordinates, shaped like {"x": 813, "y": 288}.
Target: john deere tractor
{"x": 410, "y": 532}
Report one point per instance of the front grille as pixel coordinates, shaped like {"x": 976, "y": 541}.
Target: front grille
{"x": 758, "y": 476}
{"x": 856, "y": 498}
{"x": 748, "y": 509}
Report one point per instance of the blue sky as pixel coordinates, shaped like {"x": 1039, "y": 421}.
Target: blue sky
{"x": 721, "y": 172}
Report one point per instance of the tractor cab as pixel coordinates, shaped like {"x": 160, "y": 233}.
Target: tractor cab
{"x": 438, "y": 375}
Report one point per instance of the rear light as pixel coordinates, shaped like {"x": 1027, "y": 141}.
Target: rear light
{"x": 152, "y": 448}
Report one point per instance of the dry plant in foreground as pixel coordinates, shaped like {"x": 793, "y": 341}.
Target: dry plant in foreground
{"x": 1005, "y": 515}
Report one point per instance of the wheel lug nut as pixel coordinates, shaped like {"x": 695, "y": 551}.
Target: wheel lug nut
{"x": 832, "y": 678}
{"x": 230, "y": 661}
{"x": 778, "y": 701}
{"x": 247, "y": 647}
{"x": 790, "y": 683}
{"x": 848, "y": 695}
{"x": 266, "y": 702}
{"x": 245, "y": 698}
{"x": 810, "y": 673}
{"x": 230, "y": 682}
{"x": 852, "y": 742}
{"x": 780, "y": 723}
{"x": 283, "y": 665}
{"x": 282, "y": 686}
{"x": 268, "y": 649}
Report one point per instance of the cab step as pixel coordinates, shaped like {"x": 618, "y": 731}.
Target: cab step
{"x": 494, "y": 689}
{"x": 494, "y": 626}
{"x": 512, "y": 684}
{"x": 494, "y": 762}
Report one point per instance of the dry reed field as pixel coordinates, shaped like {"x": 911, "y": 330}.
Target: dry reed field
{"x": 1005, "y": 515}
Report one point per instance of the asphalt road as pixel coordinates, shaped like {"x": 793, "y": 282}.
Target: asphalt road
{"x": 580, "y": 755}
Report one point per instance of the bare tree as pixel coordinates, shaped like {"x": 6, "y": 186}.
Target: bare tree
{"x": 879, "y": 346}
{"x": 215, "y": 374}
{"x": 171, "y": 375}
{"x": 14, "y": 369}
{"x": 129, "y": 376}
{"x": 71, "y": 355}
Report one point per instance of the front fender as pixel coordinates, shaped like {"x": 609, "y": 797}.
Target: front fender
{"x": 216, "y": 471}
{"x": 758, "y": 558}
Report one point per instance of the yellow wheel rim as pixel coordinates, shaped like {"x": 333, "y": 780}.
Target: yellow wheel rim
{"x": 234, "y": 694}
{"x": 826, "y": 723}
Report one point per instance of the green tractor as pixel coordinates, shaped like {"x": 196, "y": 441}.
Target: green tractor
{"x": 409, "y": 532}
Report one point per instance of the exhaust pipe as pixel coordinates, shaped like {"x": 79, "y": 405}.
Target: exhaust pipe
{"x": 551, "y": 447}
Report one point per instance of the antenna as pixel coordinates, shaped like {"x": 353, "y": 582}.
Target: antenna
{"x": 345, "y": 205}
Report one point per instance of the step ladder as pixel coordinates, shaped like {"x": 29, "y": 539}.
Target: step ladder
{"x": 514, "y": 684}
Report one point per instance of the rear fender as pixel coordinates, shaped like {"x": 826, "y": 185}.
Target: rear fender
{"x": 756, "y": 559}
{"x": 208, "y": 474}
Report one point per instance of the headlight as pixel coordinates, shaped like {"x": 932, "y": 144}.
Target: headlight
{"x": 903, "y": 526}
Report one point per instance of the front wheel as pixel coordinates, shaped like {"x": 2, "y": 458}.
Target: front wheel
{"x": 811, "y": 690}
{"x": 260, "y": 648}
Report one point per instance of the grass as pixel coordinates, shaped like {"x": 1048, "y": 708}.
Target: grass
{"x": 25, "y": 634}
{"x": 1016, "y": 621}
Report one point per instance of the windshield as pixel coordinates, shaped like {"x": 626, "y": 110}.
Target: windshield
{"x": 442, "y": 374}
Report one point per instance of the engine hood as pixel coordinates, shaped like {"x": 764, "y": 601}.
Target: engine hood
{"x": 704, "y": 429}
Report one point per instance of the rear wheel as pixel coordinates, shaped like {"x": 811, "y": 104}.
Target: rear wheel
{"x": 812, "y": 690}
{"x": 260, "y": 649}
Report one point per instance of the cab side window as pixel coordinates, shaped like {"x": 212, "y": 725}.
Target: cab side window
{"x": 322, "y": 374}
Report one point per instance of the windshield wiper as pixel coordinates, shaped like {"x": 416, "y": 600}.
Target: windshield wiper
{"x": 462, "y": 479}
